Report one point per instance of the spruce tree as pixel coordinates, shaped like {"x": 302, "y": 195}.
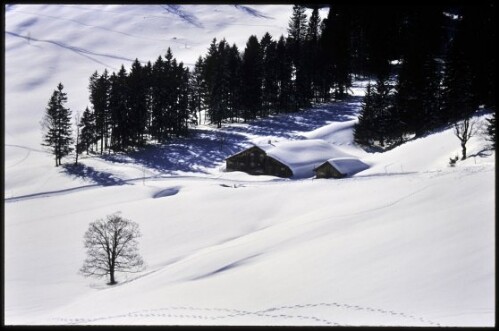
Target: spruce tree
{"x": 234, "y": 73}
{"x": 458, "y": 101}
{"x": 99, "y": 97}
{"x": 269, "y": 74}
{"x": 364, "y": 129}
{"x": 252, "y": 78}
{"x": 215, "y": 77}
{"x": 121, "y": 133}
{"x": 312, "y": 55}
{"x": 491, "y": 130}
{"x": 379, "y": 123}
{"x": 418, "y": 89}
{"x": 297, "y": 32}
{"x": 88, "y": 133}
{"x": 196, "y": 84}
{"x": 137, "y": 103}
{"x": 284, "y": 73}
{"x": 57, "y": 126}
{"x": 158, "y": 100}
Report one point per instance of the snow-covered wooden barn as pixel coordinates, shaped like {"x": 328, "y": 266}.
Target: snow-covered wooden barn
{"x": 297, "y": 158}
{"x": 340, "y": 167}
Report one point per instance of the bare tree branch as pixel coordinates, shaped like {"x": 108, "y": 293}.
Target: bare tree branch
{"x": 111, "y": 246}
{"x": 464, "y": 131}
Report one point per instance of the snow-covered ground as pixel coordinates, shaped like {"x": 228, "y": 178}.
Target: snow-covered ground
{"x": 409, "y": 241}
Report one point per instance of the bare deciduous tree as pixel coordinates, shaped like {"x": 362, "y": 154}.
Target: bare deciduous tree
{"x": 111, "y": 247}
{"x": 464, "y": 130}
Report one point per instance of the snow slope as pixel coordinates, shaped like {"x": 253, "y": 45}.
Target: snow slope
{"x": 73, "y": 41}
{"x": 414, "y": 249}
{"x": 409, "y": 241}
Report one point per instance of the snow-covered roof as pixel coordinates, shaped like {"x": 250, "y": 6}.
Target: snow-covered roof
{"x": 348, "y": 165}
{"x": 302, "y": 156}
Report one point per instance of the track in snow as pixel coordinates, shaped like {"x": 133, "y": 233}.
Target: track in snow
{"x": 80, "y": 51}
{"x": 214, "y": 314}
{"x": 252, "y": 12}
{"x": 189, "y": 18}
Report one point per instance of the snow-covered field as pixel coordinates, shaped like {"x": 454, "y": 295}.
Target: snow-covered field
{"x": 409, "y": 241}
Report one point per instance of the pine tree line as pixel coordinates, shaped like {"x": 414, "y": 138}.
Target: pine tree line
{"x": 158, "y": 101}
{"x": 150, "y": 102}
{"x": 440, "y": 81}
{"x": 441, "y": 78}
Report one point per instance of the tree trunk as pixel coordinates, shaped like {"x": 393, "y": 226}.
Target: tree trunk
{"x": 111, "y": 275}
{"x": 464, "y": 151}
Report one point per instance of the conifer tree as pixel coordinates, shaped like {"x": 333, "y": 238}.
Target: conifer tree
{"x": 137, "y": 103}
{"x": 88, "y": 133}
{"x": 364, "y": 129}
{"x": 284, "y": 72}
{"x": 213, "y": 75}
{"x": 418, "y": 86}
{"x": 158, "y": 100}
{"x": 196, "y": 84}
{"x": 336, "y": 47}
{"x": 252, "y": 78}
{"x": 379, "y": 124}
{"x": 312, "y": 55}
{"x": 297, "y": 32}
{"x": 234, "y": 73}
{"x": 269, "y": 74}
{"x": 57, "y": 126}
{"x": 491, "y": 130}
{"x": 458, "y": 100}
{"x": 121, "y": 132}
{"x": 99, "y": 97}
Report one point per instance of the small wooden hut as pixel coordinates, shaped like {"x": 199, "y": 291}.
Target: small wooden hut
{"x": 296, "y": 158}
{"x": 340, "y": 167}
{"x": 255, "y": 161}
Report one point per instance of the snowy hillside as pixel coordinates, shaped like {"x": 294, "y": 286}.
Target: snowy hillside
{"x": 408, "y": 241}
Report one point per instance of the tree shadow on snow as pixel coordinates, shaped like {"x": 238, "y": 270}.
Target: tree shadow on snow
{"x": 289, "y": 127}
{"x": 202, "y": 150}
{"x": 86, "y": 172}
{"x": 206, "y": 149}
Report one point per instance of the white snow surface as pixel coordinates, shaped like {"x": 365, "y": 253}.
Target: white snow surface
{"x": 407, "y": 242}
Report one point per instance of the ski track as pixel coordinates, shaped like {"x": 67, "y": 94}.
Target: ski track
{"x": 252, "y": 12}
{"x": 204, "y": 313}
{"x": 25, "y": 147}
{"x": 80, "y": 51}
{"x": 28, "y": 152}
{"x": 217, "y": 179}
{"x": 189, "y": 18}
{"x": 94, "y": 26}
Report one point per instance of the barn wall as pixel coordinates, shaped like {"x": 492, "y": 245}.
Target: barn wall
{"x": 251, "y": 161}
{"x": 326, "y": 170}
{"x": 276, "y": 168}
{"x": 255, "y": 161}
